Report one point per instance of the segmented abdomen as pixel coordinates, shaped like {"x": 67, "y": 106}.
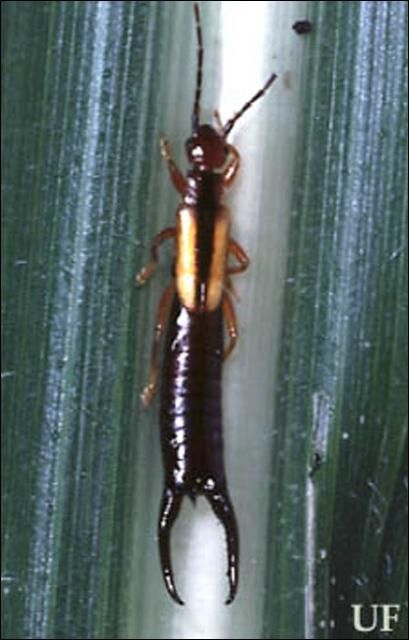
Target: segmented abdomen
{"x": 191, "y": 412}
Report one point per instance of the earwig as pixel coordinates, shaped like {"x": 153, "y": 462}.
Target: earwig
{"x": 194, "y": 308}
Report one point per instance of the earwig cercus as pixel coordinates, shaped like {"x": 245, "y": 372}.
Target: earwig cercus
{"x": 193, "y": 308}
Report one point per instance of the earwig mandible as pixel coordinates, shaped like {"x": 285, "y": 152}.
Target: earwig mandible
{"x": 193, "y": 308}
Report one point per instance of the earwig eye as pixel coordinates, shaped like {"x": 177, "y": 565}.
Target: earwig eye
{"x": 197, "y": 152}
{"x": 194, "y": 149}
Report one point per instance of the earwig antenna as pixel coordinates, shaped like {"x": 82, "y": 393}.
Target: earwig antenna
{"x": 230, "y": 123}
{"x": 199, "y": 72}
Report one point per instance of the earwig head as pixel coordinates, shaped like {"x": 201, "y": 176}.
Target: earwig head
{"x": 207, "y": 149}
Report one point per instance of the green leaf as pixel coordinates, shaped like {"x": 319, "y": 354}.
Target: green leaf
{"x": 320, "y": 370}
{"x": 342, "y": 391}
{"x": 79, "y": 109}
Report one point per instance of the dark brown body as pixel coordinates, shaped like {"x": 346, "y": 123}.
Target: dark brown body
{"x": 194, "y": 307}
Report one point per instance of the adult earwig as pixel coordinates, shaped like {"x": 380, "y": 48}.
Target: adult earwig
{"x": 193, "y": 308}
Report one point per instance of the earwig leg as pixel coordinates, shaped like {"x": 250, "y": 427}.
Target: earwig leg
{"x": 229, "y": 286}
{"x": 232, "y": 167}
{"x": 168, "y": 513}
{"x": 147, "y": 271}
{"x": 228, "y": 308}
{"x": 241, "y": 257}
{"x": 231, "y": 322}
{"x": 161, "y": 317}
{"x": 223, "y": 509}
{"x": 177, "y": 177}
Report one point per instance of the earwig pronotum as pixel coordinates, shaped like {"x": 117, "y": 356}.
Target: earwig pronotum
{"x": 193, "y": 307}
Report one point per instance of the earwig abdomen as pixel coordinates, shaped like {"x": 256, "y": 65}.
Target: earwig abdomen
{"x": 191, "y": 400}
{"x": 191, "y": 428}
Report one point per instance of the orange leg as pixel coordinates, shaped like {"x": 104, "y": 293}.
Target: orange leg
{"x": 161, "y": 318}
{"x": 177, "y": 177}
{"x": 147, "y": 271}
{"x": 241, "y": 257}
{"x": 232, "y": 167}
{"x": 231, "y": 322}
